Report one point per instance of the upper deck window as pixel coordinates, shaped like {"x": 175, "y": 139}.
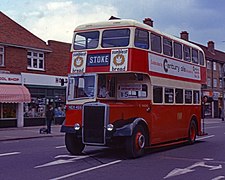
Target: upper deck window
{"x": 156, "y": 43}
{"x": 141, "y": 39}
{"x": 115, "y": 38}
{"x": 86, "y": 40}
{"x": 187, "y": 53}
{"x": 195, "y": 56}
{"x": 177, "y": 50}
{"x": 167, "y": 47}
{"x": 201, "y": 58}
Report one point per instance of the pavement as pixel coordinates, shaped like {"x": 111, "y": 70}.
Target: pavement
{"x": 7, "y": 134}
{"x": 33, "y": 132}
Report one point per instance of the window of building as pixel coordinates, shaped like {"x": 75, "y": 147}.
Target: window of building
{"x": 196, "y": 97}
{"x": 209, "y": 84}
{"x": 115, "y": 38}
{"x": 157, "y": 94}
{"x": 169, "y": 95}
{"x": 187, "y": 53}
{"x": 214, "y": 66}
{"x": 195, "y": 56}
{"x": 209, "y": 65}
{"x": 179, "y": 99}
{"x": 177, "y": 50}
{"x": 141, "y": 39}
{"x": 7, "y": 110}
{"x": 167, "y": 47}
{"x": 215, "y": 82}
{"x": 188, "y": 96}
{"x": 2, "y": 56}
{"x": 35, "y": 60}
{"x": 221, "y": 84}
{"x": 156, "y": 43}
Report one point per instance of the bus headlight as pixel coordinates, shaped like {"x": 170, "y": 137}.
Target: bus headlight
{"x": 109, "y": 127}
{"x": 77, "y": 126}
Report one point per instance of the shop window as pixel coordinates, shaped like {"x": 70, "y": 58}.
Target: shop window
{"x": 36, "y": 108}
{"x": 35, "y": 60}
{"x": 7, "y": 110}
{"x": 169, "y": 95}
{"x": 2, "y": 56}
{"x": 157, "y": 94}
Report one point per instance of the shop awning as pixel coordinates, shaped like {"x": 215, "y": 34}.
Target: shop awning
{"x": 14, "y": 94}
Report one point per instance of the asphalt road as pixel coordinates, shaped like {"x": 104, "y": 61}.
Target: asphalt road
{"x": 47, "y": 158}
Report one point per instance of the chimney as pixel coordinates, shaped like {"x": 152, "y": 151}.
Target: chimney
{"x": 184, "y": 35}
{"x": 211, "y": 46}
{"x": 148, "y": 21}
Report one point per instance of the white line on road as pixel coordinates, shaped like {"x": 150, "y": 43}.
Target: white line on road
{"x": 205, "y": 137}
{"x": 219, "y": 177}
{"x": 86, "y": 170}
{"x": 59, "y": 147}
{"x": 9, "y": 154}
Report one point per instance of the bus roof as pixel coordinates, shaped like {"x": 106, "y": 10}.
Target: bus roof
{"x": 130, "y": 23}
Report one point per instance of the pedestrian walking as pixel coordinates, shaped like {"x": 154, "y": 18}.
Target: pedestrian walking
{"x": 49, "y": 118}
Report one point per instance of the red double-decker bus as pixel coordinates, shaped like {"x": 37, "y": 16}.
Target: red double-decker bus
{"x": 132, "y": 85}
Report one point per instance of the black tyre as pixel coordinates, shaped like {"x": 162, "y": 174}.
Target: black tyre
{"x": 192, "y": 133}
{"x": 135, "y": 144}
{"x": 73, "y": 144}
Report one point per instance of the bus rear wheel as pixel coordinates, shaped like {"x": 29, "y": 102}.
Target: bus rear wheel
{"x": 135, "y": 144}
{"x": 192, "y": 132}
{"x": 73, "y": 144}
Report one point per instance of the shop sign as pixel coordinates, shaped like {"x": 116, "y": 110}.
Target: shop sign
{"x": 42, "y": 80}
{"x": 10, "y": 78}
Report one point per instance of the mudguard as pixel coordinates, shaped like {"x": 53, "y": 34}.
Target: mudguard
{"x": 127, "y": 129}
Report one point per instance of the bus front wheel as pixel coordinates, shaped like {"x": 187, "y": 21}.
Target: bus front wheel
{"x": 73, "y": 144}
{"x": 192, "y": 132}
{"x": 135, "y": 144}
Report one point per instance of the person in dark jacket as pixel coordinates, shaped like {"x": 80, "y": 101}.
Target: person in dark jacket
{"x": 49, "y": 118}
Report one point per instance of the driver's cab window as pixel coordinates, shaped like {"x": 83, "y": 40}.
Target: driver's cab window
{"x": 106, "y": 86}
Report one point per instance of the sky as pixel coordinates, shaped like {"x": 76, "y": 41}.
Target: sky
{"x": 204, "y": 20}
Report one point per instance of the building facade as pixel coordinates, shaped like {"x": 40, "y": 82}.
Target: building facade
{"x": 36, "y": 68}
{"x": 214, "y": 88}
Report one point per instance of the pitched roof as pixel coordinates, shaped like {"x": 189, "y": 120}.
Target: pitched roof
{"x": 11, "y": 33}
{"x": 216, "y": 55}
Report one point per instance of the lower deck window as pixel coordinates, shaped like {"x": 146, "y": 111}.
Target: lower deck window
{"x": 157, "y": 94}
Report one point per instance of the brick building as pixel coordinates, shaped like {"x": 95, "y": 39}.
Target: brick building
{"x": 215, "y": 60}
{"x": 30, "y": 74}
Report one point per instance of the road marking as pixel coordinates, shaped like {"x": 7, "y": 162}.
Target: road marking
{"x": 180, "y": 171}
{"x": 219, "y": 177}
{"x": 9, "y": 154}
{"x": 64, "y": 161}
{"x": 58, "y": 147}
{"x": 86, "y": 170}
{"x": 205, "y": 137}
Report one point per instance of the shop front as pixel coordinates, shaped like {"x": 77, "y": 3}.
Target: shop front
{"x": 12, "y": 96}
{"x": 44, "y": 90}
